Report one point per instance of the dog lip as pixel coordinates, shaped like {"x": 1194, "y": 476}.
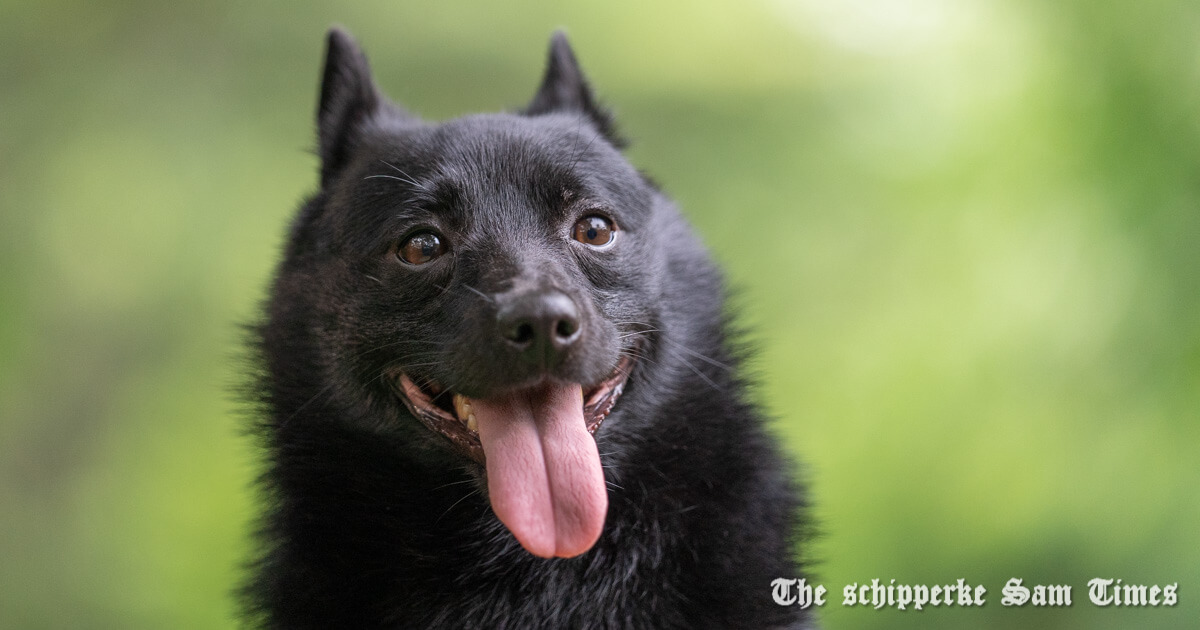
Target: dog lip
{"x": 437, "y": 419}
{"x": 598, "y": 403}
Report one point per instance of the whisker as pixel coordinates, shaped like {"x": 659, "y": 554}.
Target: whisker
{"x": 399, "y": 179}
{"x": 447, "y": 289}
{"x": 409, "y": 178}
{"x": 479, "y": 293}
{"x": 425, "y": 364}
{"x": 390, "y": 344}
{"x": 454, "y": 483}
{"x": 455, "y": 504}
{"x": 579, "y": 156}
{"x": 321, "y": 392}
{"x": 708, "y": 360}
{"x": 695, "y": 369}
{"x": 681, "y": 347}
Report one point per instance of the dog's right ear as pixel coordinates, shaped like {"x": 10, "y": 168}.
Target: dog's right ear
{"x": 348, "y": 97}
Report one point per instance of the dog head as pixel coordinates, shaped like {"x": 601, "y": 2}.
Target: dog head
{"x": 483, "y": 285}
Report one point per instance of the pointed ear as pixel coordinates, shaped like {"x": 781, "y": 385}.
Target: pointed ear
{"x": 348, "y": 96}
{"x": 564, "y": 89}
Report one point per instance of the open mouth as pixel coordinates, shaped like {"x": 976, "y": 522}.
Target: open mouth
{"x": 452, "y": 415}
{"x": 544, "y": 477}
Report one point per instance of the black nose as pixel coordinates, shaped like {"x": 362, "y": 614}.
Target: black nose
{"x": 540, "y": 324}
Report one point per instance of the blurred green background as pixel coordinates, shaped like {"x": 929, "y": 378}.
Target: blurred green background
{"x": 965, "y": 233}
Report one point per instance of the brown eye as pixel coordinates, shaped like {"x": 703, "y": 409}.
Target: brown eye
{"x": 594, "y": 231}
{"x": 421, "y": 248}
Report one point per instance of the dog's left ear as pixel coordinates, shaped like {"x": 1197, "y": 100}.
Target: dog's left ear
{"x": 564, "y": 89}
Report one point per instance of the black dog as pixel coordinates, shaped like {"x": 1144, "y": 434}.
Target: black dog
{"x": 499, "y": 389}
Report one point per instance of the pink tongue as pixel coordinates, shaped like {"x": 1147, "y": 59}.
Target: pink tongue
{"x": 544, "y": 474}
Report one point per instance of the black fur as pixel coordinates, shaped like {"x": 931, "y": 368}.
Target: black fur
{"x": 373, "y": 520}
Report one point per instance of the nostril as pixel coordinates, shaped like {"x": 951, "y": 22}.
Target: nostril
{"x": 565, "y": 328}
{"x": 522, "y": 334}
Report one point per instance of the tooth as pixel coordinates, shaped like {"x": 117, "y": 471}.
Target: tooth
{"x": 462, "y": 407}
{"x": 472, "y": 423}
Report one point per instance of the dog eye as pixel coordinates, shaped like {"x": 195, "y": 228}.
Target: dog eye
{"x": 421, "y": 248}
{"x": 594, "y": 231}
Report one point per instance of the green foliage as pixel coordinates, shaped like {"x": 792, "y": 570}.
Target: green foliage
{"x": 964, "y": 235}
